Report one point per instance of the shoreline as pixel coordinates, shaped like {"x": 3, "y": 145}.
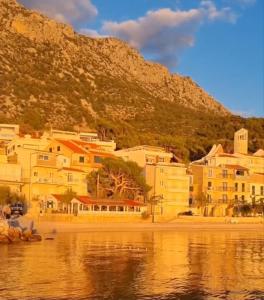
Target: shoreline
{"x": 45, "y": 227}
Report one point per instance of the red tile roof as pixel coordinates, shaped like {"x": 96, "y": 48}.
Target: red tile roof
{"x": 72, "y": 146}
{"x": 108, "y": 202}
{"x": 103, "y": 154}
{"x": 72, "y": 170}
{"x": 91, "y": 201}
{"x": 235, "y": 167}
{"x": 226, "y": 155}
{"x": 86, "y": 144}
{"x": 57, "y": 197}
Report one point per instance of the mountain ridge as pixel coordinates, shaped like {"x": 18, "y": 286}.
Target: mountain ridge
{"x": 52, "y": 76}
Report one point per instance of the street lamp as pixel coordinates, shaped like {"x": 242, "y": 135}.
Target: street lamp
{"x": 154, "y": 200}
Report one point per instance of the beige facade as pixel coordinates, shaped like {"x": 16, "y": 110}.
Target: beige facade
{"x": 143, "y": 155}
{"x": 26, "y": 142}
{"x": 222, "y": 180}
{"x": 256, "y": 182}
{"x": 217, "y": 189}
{"x": 11, "y": 176}
{"x": 168, "y": 181}
{"x": 171, "y": 182}
{"x": 8, "y": 132}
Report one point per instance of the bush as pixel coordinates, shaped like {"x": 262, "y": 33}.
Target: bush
{"x": 186, "y": 213}
{"x": 145, "y": 215}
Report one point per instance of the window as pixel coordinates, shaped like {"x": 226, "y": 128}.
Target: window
{"x": 224, "y": 198}
{"x": 58, "y": 148}
{"x": 253, "y": 189}
{"x": 86, "y": 207}
{"x": 262, "y": 190}
{"x": 243, "y": 187}
{"x": 97, "y": 159}
{"x": 35, "y": 174}
{"x": 70, "y": 177}
{"x": 240, "y": 173}
{"x": 236, "y": 187}
{"x": 81, "y": 207}
{"x": 43, "y": 157}
{"x": 224, "y": 186}
{"x": 209, "y": 186}
{"x": 236, "y": 197}
{"x": 112, "y": 208}
{"x": 210, "y": 173}
{"x": 81, "y": 159}
{"x": 225, "y": 173}
{"x": 149, "y": 159}
{"x": 161, "y": 159}
{"x": 243, "y": 198}
{"x": 96, "y": 208}
{"x": 49, "y": 204}
{"x": 50, "y": 149}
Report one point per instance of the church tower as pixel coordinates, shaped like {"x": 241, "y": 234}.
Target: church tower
{"x": 241, "y": 141}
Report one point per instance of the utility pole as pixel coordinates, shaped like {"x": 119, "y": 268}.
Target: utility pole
{"x": 97, "y": 185}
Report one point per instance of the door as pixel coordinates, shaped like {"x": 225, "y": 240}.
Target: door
{"x": 75, "y": 209}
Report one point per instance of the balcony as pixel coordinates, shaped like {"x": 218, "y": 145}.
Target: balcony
{"x": 241, "y": 177}
{"x": 225, "y": 176}
{"x": 220, "y": 189}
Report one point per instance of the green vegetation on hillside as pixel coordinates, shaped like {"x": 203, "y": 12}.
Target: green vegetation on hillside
{"x": 106, "y": 85}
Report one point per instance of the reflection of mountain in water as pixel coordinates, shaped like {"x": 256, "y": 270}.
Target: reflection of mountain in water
{"x": 136, "y": 265}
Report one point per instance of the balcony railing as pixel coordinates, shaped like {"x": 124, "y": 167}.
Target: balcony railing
{"x": 221, "y": 189}
{"x": 223, "y": 176}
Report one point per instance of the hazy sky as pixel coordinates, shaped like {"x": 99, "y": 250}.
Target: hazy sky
{"x": 219, "y": 43}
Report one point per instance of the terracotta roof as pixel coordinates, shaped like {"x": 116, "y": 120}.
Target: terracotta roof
{"x": 71, "y": 169}
{"x": 226, "y": 155}
{"x": 86, "y": 144}
{"x": 235, "y": 167}
{"x": 72, "y": 146}
{"x": 88, "y": 200}
{"x": 103, "y": 154}
{"x": 57, "y": 196}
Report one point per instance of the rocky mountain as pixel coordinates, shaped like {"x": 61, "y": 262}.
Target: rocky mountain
{"x": 50, "y": 75}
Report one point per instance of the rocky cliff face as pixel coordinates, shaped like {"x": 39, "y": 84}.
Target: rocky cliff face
{"x": 41, "y": 43}
{"x": 50, "y": 75}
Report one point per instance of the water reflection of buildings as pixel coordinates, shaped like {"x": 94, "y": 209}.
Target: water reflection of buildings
{"x": 228, "y": 263}
{"x": 167, "y": 266}
{"x": 134, "y": 265}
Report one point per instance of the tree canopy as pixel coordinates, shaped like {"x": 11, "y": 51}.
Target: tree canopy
{"x": 118, "y": 179}
{"x": 8, "y": 197}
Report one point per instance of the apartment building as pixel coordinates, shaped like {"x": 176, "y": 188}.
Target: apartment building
{"x": 169, "y": 182}
{"x": 222, "y": 180}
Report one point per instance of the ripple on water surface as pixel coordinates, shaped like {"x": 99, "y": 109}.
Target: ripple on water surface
{"x": 135, "y": 265}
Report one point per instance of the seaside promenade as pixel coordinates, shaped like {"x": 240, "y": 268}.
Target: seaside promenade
{"x": 179, "y": 224}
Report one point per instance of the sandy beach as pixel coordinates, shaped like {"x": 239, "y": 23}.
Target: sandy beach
{"x": 181, "y": 225}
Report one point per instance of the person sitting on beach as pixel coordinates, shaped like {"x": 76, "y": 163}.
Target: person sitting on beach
{"x": 6, "y": 211}
{"x": 23, "y": 223}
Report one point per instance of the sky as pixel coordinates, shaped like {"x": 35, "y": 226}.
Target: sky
{"x": 219, "y": 43}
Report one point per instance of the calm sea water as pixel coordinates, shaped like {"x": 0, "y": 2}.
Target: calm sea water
{"x": 137, "y": 265}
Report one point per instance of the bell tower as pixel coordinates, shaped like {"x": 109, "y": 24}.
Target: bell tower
{"x": 241, "y": 141}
